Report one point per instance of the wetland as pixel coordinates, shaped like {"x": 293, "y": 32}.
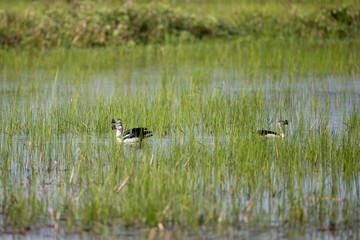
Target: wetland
{"x": 205, "y": 172}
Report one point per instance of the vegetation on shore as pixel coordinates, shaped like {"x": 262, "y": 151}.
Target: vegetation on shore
{"x": 84, "y": 24}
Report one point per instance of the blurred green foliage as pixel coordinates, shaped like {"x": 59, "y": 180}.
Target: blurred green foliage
{"x": 85, "y": 24}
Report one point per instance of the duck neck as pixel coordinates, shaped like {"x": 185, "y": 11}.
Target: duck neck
{"x": 119, "y": 132}
{"x": 282, "y": 132}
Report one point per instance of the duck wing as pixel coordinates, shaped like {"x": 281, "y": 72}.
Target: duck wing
{"x": 266, "y": 132}
{"x": 137, "y": 133}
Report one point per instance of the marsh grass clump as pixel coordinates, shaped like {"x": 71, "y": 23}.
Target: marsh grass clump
{"x": 339, "y": 22}
{"x": 205, "y": 167}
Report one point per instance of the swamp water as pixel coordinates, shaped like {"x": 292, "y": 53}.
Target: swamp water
{"x": 205, "y": 172}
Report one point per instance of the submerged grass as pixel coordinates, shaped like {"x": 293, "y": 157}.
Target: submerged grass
{"x": 204, "y": 168}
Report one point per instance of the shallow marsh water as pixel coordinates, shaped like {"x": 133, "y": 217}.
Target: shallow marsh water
{"x": 204, "y": 170}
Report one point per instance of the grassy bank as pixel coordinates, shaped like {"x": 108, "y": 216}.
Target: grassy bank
{"x": 89, "y": 24}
